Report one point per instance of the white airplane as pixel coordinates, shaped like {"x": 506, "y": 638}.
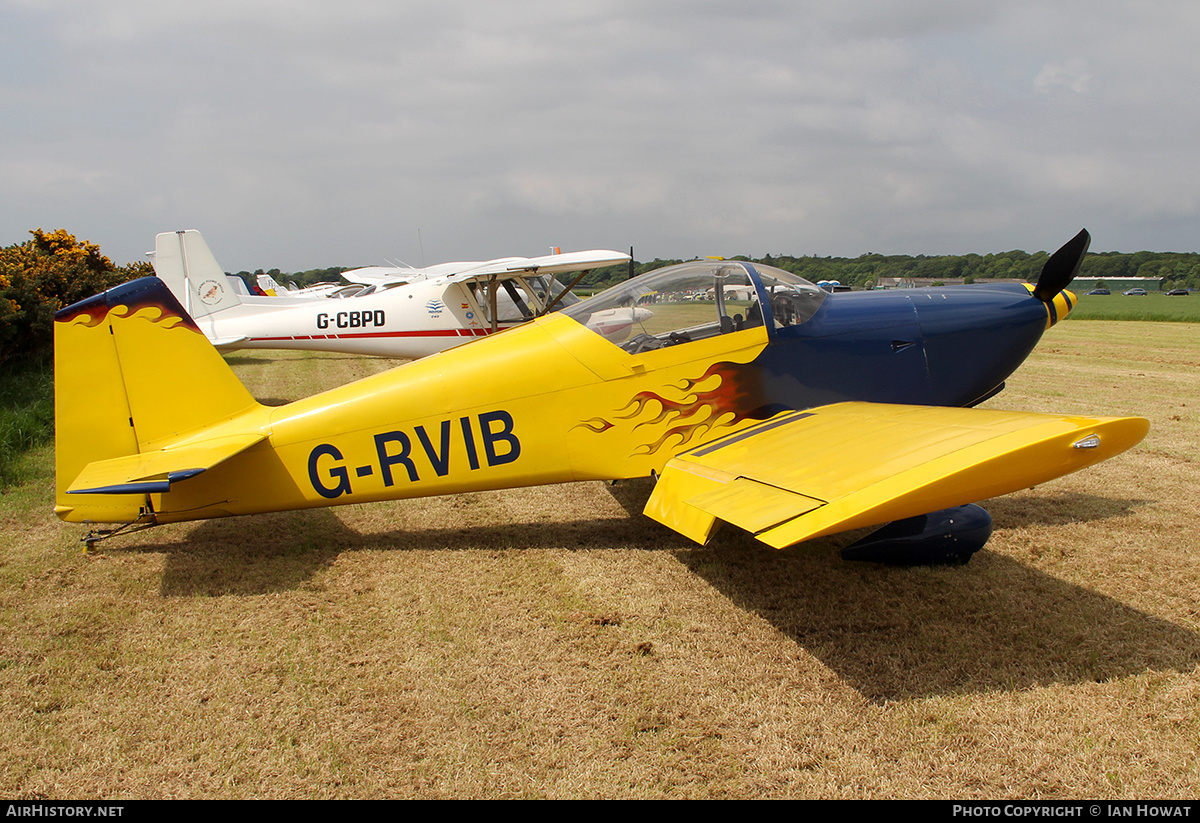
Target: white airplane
{"x": 431, "y": 310}
{"x": 272, "y": 289}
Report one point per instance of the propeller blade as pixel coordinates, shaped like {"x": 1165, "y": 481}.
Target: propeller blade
{"x": 1062, "y": 267}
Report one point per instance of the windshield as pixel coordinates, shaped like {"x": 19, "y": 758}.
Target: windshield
{"x": 692, "y": 301}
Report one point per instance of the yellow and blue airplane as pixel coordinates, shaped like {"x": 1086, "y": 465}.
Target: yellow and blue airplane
{"x": 752, "y": 396}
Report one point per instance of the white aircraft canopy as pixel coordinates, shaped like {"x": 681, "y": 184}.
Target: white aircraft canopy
{"x": 702, "y": 299}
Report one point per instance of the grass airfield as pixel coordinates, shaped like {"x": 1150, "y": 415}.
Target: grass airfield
{"x": 546, "y": 643}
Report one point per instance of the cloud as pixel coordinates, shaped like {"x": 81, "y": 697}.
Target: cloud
{"x": 306, "y": 134}
{"x": 1072, "y": 75}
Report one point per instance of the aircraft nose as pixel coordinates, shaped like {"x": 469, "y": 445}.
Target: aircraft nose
{"x": 975, "y": 337}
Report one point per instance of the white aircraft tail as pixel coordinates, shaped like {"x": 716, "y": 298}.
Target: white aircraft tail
{"x": 267, "y": 283}
{"x": 184, "y": 262}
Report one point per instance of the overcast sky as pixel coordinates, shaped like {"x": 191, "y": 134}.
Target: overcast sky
{"x": 312, "y": 133}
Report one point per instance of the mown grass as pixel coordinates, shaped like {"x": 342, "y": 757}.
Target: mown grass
{"x": 1155, "y": 306}
{"x": 546, "y": 643}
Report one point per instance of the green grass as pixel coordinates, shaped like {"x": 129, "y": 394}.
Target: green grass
{"x": 1154, "y": 306}
{"x": 26, "y": 412}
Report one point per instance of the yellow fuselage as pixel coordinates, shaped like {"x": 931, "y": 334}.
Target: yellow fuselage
{"x": 549, "y": 402}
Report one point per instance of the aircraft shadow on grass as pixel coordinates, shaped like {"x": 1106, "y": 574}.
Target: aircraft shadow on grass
{"x": 889, "y": 633}
{"x": 993, "y": 625}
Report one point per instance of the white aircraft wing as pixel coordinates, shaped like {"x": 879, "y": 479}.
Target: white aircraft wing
{"x": 549, "y": 264}
{"x": 383, "y": 275}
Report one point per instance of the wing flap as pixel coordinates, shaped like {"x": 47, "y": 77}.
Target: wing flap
{"x": 755, "y": 506}
{"x": 803, "y": 475}
{"x": 153, "y": 472}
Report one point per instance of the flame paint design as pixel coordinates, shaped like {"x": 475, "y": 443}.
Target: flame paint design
{"x": 156, "y": 314}
{"x": 735, "y": 397}
{"x": 92, "y": 311}
{"x": 148, "y": 296}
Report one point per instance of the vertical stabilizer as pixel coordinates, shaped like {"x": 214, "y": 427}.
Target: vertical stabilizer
{"x": 133, "y": 374}
{"x": 184, "y": 262}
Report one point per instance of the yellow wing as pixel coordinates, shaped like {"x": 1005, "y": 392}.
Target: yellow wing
{"x": 801, "y": 475}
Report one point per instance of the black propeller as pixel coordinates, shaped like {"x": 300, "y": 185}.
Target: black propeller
{"x": 1062, "y": 267}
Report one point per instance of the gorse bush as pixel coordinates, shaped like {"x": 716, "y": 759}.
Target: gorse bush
{"x": 44, "y": 274}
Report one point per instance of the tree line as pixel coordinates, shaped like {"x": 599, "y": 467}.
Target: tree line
{"x": 870, "y": 270}
{"x": 54, "y": 269}
{"x": 1179, "y": 269}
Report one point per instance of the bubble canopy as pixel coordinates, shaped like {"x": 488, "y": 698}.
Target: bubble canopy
{"x": 696, "y": 300}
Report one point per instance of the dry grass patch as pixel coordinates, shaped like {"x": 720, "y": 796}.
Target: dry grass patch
{"x": 545, "y": 643}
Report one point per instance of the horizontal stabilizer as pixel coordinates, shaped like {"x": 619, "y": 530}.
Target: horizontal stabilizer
{"x": 153, "y": 472}
{"x": 806, "y": 474}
